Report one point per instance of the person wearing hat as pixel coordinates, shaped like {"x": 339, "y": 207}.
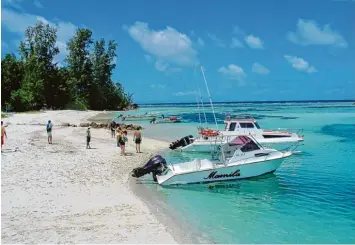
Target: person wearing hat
{"x": 88, "y": 138}
{"x": 49, "y": 131}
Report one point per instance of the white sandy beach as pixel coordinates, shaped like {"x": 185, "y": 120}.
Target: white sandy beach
{"x": 64, "y": 193}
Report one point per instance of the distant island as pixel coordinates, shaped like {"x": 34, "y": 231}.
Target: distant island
{"x": 35, "y": 80}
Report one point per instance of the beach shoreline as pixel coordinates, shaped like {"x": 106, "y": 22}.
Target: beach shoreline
{"x": 64, "y": 193}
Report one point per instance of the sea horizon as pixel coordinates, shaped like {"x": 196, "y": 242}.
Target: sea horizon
{"x": 207, "y": 103}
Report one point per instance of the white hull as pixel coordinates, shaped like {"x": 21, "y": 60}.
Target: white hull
{"x": 233, "y": 172}
{"x": 206, "y": 145}
{"x": 210, "y": 146}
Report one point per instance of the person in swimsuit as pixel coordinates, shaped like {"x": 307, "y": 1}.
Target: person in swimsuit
{"x": 113, "y": 128}
{"x": 122, "y": 139}
{"x": 88, "y": 138}
{"x": 137, "y": 138}
{"x": 3, "y": 134}
{"x": 49, "y": 131}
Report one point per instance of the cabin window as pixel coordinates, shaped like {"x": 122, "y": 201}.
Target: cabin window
{"x": 232, "y": 126}
{"x": 246, "y": 125}
{"x": 268, "y": 136}
{"x": 257, "y": 125}
{"x": 250, "y": 146}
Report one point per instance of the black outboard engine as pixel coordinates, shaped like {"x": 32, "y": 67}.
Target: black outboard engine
{"x": 156, "y": 165}
{"x": 181, "y": 142}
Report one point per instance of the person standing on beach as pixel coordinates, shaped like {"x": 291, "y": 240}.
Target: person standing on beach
{"x": 113, "y": 128}
{"x": 49, "y": 131}
{"x": 88, "y": 138}
{"x": 137, "y": 138}
{"x": 3, "y": 134}
{"x": 121, "y": 141}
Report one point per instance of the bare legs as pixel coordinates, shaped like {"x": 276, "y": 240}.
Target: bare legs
{"x": 138, "y": 148}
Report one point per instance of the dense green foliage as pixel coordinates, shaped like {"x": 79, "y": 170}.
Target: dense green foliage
{"x": 34, "y": 81}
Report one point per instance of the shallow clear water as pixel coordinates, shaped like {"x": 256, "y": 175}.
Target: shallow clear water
{"x": 309, "y": 199}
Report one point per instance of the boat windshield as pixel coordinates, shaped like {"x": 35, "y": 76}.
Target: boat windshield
{"x": 257, "y": 125}
{"x": 244, "y": 143}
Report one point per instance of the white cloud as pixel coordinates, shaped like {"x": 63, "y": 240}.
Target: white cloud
{"x": 260, "y": 69}
{"x": 308, "y": 32}
{"x": 236, "y": 43}
{"x": 38, "y": 4}
{"x": 233, "y": 72}
{"x": 254, "y": 42}
{"x": 218, "y": 42}
{"x": 12, "y": 3}
{"x": 167, "y": 45}
{"x": 300, "y": 64}
{"x": 160, "y": 86}
{"x": 237, "y": 30}
{"x": 148, "y": 58}
{"x": 18, "y": 22}
{"x": 187, "y": 93}
{"x": 161, "y": 66}
{"x": 200, "y": 42}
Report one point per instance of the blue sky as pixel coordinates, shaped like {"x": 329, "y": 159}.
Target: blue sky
{"x": 250, "y": 50}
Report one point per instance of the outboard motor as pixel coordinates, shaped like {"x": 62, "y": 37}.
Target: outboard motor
{"x": 156, "y": 165}
{"x": 181, "y": 142}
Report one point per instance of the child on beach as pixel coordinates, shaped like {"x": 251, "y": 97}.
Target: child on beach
{"x": 88, "y": 138}
{"x": 3, "y": 134}
{"x": 122, "y": 139}
{"x": 49, "y": 131}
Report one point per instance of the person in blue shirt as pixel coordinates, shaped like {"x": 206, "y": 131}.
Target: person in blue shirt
{"x": 49, "y": 131}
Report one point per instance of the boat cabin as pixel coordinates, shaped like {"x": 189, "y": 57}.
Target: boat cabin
{"x": 234, "y": 124}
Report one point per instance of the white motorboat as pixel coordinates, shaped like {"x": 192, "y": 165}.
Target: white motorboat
{"x": 239, "y": 159}
{"x": 172, "y": 119}
{"x": 278, "y": 139}
{"x": 145, "y": 116}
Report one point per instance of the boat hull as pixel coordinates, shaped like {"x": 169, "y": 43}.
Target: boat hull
{"x": 235, "y": 172}
{"x": 210, "y": 146}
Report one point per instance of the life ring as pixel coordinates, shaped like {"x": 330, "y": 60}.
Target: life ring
{"x": 209, "y": 132}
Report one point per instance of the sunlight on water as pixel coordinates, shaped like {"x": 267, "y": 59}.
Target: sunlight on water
{"x": 309, "y": 199}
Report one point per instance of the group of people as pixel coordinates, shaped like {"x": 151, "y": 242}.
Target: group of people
{"x": 122, "y": 137}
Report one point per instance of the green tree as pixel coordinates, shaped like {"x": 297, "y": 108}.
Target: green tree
{"x": 103, "y": 66}
{"x": 37, "y": 54}
{"x": 35, "y": 81}
{"x": 11, "y": 78}
{"x": 79, "y": 65}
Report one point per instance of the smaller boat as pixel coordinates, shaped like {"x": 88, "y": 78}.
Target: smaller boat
{"x": 145, "y": 116}
{"x": 172, "y": 119}
{"x": 239, "y": 159}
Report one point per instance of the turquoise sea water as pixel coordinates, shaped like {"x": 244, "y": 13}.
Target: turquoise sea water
{"x": 309, "y": 199}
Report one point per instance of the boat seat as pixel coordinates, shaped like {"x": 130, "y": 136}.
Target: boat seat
{"x": 206, "y": 164}
{"x": 195, "y": 165}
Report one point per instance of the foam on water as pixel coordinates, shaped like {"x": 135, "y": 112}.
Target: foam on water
{"x": 309, "y": 199}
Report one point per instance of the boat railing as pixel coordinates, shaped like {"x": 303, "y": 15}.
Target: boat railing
{"x": 292, "y": 148}
{"x": 297, "y": 131}
{"x": 239, "y": 117}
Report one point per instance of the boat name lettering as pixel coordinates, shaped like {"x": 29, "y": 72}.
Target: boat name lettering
{"x": 214, "y": 175}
